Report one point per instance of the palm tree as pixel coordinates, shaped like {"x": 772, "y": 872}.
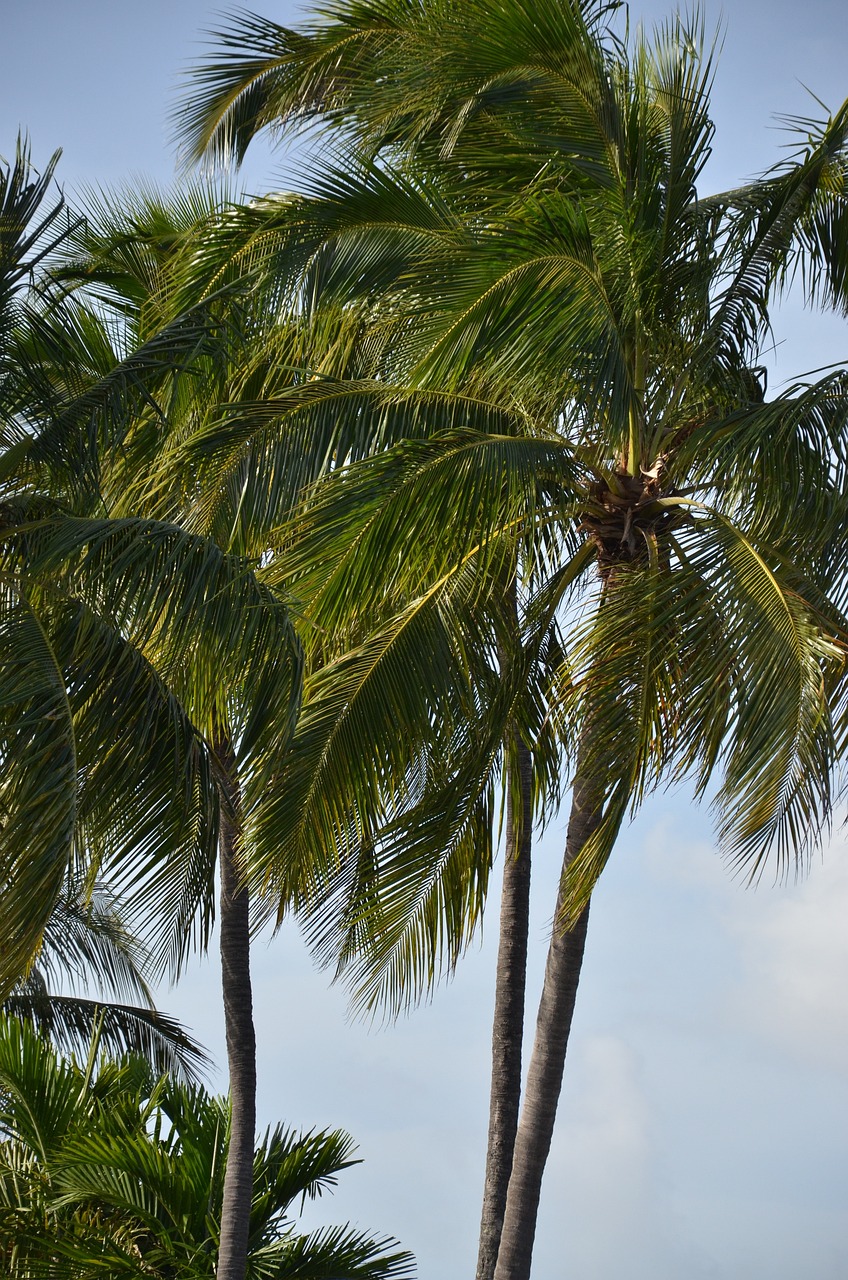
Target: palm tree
{"x": 106, "y": 1168}
{"x": 213, "y": 468}
{"x": 534, "y": 217}
{"x": 142, "y": 666}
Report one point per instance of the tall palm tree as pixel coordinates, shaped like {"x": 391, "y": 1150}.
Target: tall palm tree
{"x": 328, "y": 73}
{"x": 535, "y": 218}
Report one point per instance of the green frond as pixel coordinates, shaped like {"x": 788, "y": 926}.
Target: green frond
{"x": 230, "y": 98}
{"x": 68, "y": 1022}
{"x": 195, "y": 613}
{"x": 397, "y": 525}
{"x": 406, "y": 901}
{"x": 369, "y": 722}
{"x": 788, "y": 222}
{"x": 256, "y": 463}
{"x": 335, "y": 1251}
{"x": 480, "y": 56}
{"x": 86, "y": 942}
{"x": 84, "y": 396}
{"x": 38, "y": 793}
{"x": 708, "y": 662}
{"x": 27, "y": 234}
{"x": 113, "y": 1172}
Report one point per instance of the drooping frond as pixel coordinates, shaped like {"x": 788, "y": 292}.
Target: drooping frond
{"x": 87, "y": 943}
{"x": 38, "y": 800}
{"x": 69, "y": 1022}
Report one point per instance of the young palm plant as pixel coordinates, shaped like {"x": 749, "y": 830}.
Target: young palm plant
{"x": 107, "y": 1169}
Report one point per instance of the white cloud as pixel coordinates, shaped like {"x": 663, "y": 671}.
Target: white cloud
{"x": 607, "y": 1208}
{"x": 793, "y": 949}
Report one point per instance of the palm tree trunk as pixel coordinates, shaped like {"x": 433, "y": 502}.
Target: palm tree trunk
{"x": 241, "y": 1037}
{"x": 544, "y": 1078}
{"x": 508, "y": 1025}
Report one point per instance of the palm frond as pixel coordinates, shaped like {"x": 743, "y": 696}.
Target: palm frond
{"x": 69, "y": 1022}
{"x": 38, "y": 794}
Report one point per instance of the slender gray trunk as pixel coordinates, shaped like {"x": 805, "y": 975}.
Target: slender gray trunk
{"x": 544, "y": 1078}
{"x": 508, "y": 1024}
{"x": 241, "y": 1038}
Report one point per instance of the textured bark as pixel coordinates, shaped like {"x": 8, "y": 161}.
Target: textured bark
{"x": 508, "y": 1024}
{"x": 544, "y": 1078}
{"x": 241, "y": 1039}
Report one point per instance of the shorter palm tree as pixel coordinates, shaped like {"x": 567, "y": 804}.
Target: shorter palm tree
{"x": 105, "y": 1169}
{"x": 143, "y": 697}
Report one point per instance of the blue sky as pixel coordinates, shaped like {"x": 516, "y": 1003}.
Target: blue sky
{"x": 702, "y": 1131}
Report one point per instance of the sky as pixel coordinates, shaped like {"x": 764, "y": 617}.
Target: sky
{"x": 703, "y": 1128}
